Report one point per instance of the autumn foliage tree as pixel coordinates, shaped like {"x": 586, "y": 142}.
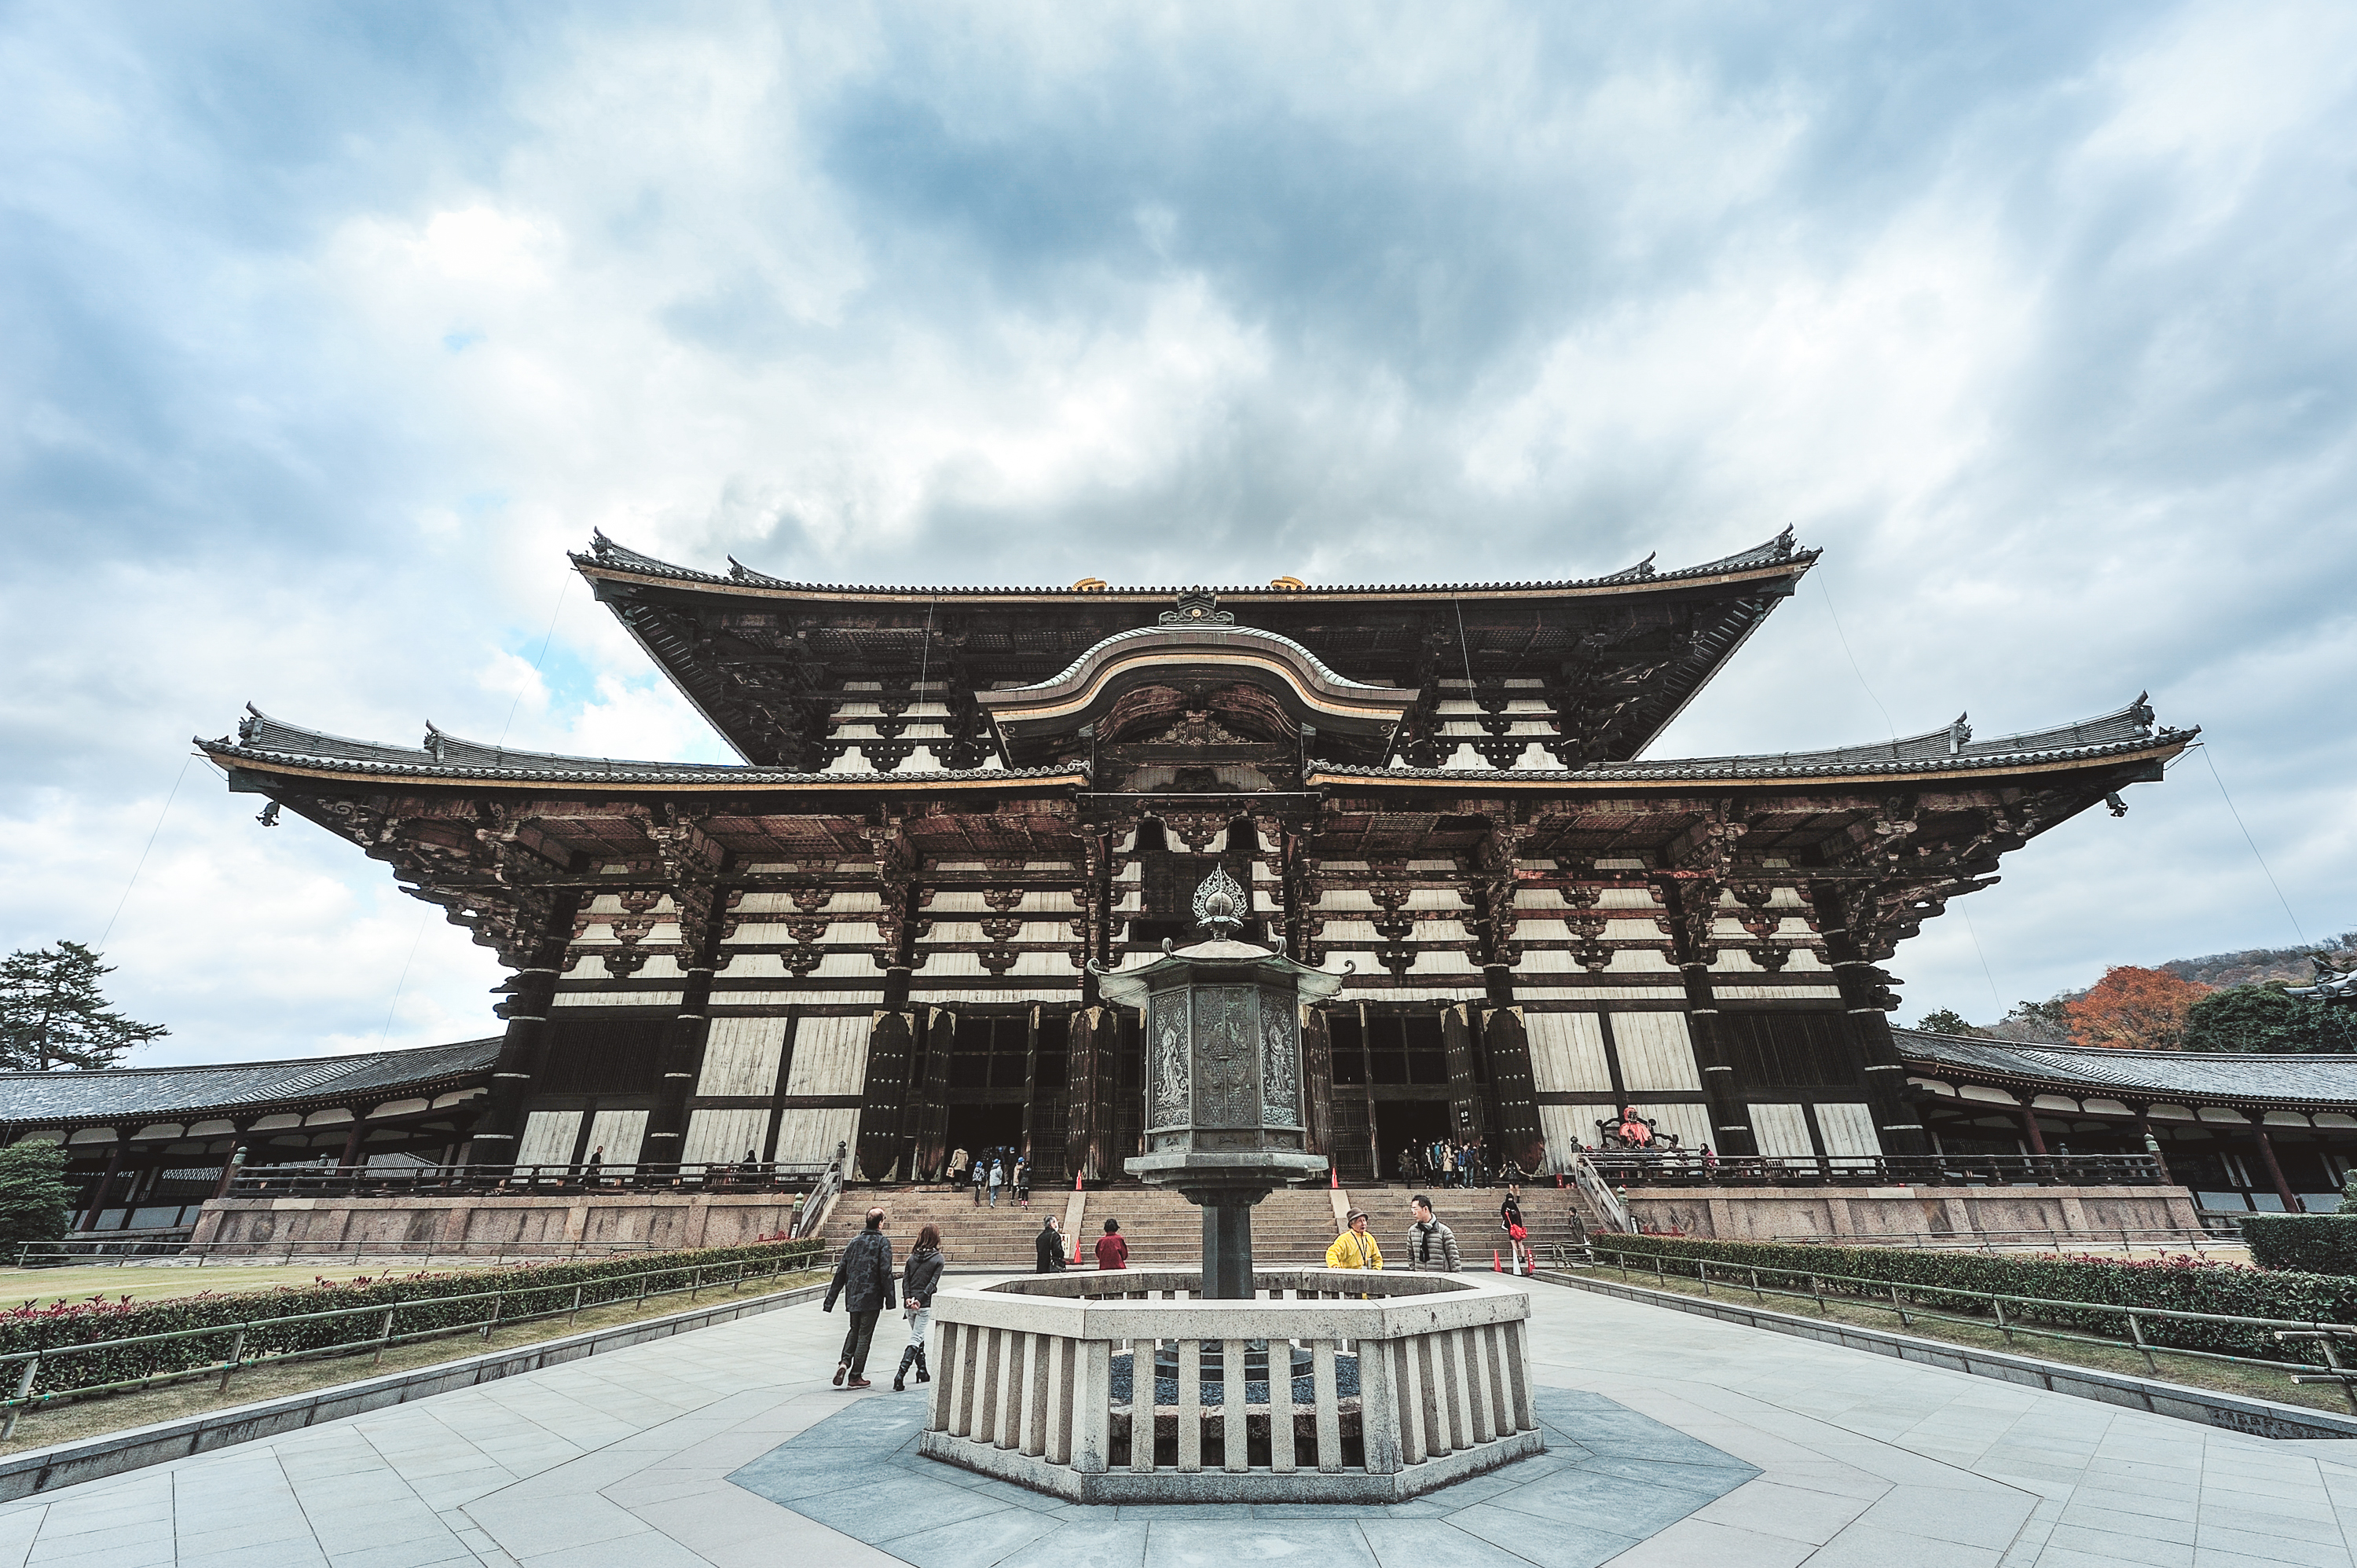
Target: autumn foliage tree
{"x": 2144, "y": 1009}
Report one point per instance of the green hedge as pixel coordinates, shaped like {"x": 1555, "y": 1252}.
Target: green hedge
{"x": 2314, "y": 1243}
{"x": 2180, "y": 1285}
{"x": 531, "y": 1289}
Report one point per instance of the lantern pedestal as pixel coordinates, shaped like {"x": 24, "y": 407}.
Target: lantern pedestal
{"x": 1226, "y": 1186}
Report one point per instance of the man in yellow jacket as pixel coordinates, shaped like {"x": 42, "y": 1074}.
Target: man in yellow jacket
{"x": 1355, "y": 1248}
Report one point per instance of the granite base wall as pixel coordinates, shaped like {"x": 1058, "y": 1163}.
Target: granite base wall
{"x": 622, "y": 1221}
{"x": 1763, "y": 1214}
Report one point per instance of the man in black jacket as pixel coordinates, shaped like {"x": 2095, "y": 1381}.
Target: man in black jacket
{"x": 864, "y": 1280}
{"x": 1049, "y": 1248}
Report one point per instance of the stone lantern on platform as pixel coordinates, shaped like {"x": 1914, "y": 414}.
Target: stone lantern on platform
{"x": 1224, "y": 1118}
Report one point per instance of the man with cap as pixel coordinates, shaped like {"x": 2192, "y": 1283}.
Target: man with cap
{"x": 1355, "y": 1247}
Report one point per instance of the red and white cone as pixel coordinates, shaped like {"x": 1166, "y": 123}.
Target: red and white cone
{"x": 1495, "y": 1267}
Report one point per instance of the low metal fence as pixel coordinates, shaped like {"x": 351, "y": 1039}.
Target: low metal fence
{"x": 1681, "y": 1168}
{"x": 2129, "y": 1239}
{"x": 1886, "y": 1295}
{"x": 377, "y": 1323}
{"x": 57, "y": 1254}
{"x": 519, "y": 1181}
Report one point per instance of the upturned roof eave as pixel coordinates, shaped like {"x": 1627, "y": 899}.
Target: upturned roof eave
{"x": 620, "y": 563}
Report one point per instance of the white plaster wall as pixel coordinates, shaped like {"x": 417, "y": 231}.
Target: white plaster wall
{"x": 740, "y": 1057}
{"x": 1656, "y": 1052}
{"x": 830, "y": 1057}
{"x": 716, "y": 1137}
{"x": 1781, "y": 1130}
{"x": 1567, "y": 1053}
{"x": 548, "y": 1137}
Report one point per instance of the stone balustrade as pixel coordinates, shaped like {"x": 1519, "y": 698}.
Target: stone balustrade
{"x": 1131, "y": 1387}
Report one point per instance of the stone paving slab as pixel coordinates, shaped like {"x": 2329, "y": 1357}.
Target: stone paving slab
{"x": 1825, "y": 1456}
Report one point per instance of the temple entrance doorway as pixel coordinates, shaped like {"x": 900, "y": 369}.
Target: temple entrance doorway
{"x": 975, "y": 1128}
{"x": 1402, "y": 1122}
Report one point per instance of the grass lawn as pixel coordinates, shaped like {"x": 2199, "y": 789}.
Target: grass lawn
{"x": 2224, "y": 1377}
{"x": 71, "y": 1421}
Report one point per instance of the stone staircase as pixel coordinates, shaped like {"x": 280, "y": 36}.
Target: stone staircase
{"x": 1291, "y": 1228}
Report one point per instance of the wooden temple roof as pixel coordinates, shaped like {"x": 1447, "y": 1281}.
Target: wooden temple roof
{"x": 771, "y": 662}
{"x": 2231, "y": 1077}
{"x": 1935, "y": 753}
{"x": 268, "y": 745}
{"x": 126, "y": 1095}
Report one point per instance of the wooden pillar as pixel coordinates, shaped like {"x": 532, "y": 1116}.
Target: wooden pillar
{"x": 98, "y": 1196}
{"x": 2152, "y": 1143}
{"x": 2029, "y": 1129}
{"x": 526, "y": 1010}
{"x": 230, "y": 1163}
{"x": 1092, "y": 1038}
{"x": 2274, "y": 1172}
{"x": 1513, "y": 1087}
{"x": 683, "y": 1041}
{"x": 1864, "y": 1002}
{"x": 353, "y": 1141}
{"x": 1318, "y": 1081}
{"x": 1468, "y": 1117}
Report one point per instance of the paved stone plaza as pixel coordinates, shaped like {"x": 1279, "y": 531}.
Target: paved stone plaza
{"x": 1708, "y": 1443}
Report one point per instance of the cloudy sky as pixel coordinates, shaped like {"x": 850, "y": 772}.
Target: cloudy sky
{"x": 329, "y": 328}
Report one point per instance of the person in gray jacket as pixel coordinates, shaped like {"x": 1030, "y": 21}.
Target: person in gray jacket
{"x": 923, "y": 1277}
{"x": 864, "y": 1280}
{"x": 1431, "y": 1246}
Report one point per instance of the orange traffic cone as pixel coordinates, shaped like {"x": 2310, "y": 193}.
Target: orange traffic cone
{"x": 1076, "y": 1251}
{"x": 1336, "y": 1175}
{"x": 1495, "y": 1267}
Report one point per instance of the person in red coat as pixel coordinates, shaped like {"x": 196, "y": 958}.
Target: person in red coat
{"x": 1112, "y": 1253}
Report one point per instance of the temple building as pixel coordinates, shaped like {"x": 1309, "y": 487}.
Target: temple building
{"x": 875, "y": 930}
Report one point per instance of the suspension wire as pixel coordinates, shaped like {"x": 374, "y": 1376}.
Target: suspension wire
{"x": 1463, "y": 651}
{"x": 142, "y": 865}
{"x": 924, "y": 662}
{"x": 2204, "y": 748}
{"x": 425, "y": 916}
{"x": 1971, "y": 934}
{"x": 1826, "y": 594}
{"x": 545, "y": 637}
{"x": 1977, "y": 953}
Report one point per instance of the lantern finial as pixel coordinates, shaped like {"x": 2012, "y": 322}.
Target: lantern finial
{"x": 1219, "y": 904}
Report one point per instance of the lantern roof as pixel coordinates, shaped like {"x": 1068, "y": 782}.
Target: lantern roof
{"x": 1222, "y": 960}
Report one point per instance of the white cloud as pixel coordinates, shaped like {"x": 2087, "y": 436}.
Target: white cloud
{"x": 2045, "y": 332}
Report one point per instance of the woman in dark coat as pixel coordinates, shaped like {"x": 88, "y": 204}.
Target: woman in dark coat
{"x": 922, "y": 1277}
{"x": 1047, "y": 1249}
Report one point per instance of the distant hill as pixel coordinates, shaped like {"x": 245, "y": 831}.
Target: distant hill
{"x": 2258, "y": 964}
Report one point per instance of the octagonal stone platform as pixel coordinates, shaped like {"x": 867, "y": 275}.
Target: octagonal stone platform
{"x": 1609, "y": 1479}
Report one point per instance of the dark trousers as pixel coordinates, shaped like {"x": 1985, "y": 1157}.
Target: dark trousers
{"x": 855, "y": 1337}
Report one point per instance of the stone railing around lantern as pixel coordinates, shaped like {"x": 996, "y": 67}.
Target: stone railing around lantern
{"x": 1132, "y": 1388}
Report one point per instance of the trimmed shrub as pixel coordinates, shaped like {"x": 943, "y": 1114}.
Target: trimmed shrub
{"x": 532, "y": 1288}
{"x": 2178, "y": 1284}
{"x": 35, "y": 1203}
{"x": 2314, "y": 1243}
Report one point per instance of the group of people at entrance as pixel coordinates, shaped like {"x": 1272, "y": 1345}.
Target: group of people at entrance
{"x": 989, "y": 1171}
{"x": 1445, "y": 1162}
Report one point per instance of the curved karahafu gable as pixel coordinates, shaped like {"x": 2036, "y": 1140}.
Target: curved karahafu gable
{"x": 1194, "y": 663}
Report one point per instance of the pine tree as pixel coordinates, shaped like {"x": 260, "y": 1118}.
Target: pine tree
{"x": 34, "y": 1205}
{"x": 52, "y": 1012}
